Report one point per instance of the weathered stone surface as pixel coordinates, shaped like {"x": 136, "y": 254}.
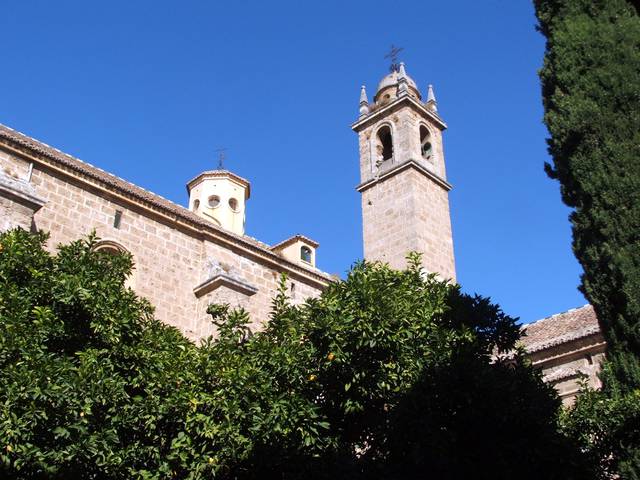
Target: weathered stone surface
{"x": 405, "y": 199}
{"x": 569, "y": 348}
{"x": 18, "y": 200}
{"x": 172, "y": 248}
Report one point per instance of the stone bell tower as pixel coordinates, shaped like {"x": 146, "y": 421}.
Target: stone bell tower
{"x": 405, "y": 194}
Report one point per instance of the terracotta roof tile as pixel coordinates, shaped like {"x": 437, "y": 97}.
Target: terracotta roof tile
{"x": 560, "y": 328}
{"x": 294, "y": 239}
{"x": 221, "y": 173}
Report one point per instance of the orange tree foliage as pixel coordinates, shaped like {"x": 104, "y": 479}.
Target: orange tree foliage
{"x": 388, "y": 374}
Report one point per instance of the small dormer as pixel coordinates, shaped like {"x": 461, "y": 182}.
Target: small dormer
{"x": 299, "y": 249}
{"x": 220, "y": 197}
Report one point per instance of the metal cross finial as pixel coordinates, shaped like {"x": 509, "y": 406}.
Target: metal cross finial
{"x": 221, "y": 156}
{"x": 393, "y": 56}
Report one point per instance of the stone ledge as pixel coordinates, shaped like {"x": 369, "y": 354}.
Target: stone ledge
{"x": 373, "y": 116}
{"x": 20, "y": 191}
{"x": 225, "y": 280}
{"x": 565, "y": 373}
{"x": 400, "y": 168}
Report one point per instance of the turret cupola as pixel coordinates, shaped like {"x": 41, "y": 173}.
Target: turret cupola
{"x": 396, "y": 84}
{"x": 220, "y": 197}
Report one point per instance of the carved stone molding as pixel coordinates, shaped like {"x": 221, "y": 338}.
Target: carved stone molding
{"x": 21, "y": 192}
{"x": 223, "y": 279}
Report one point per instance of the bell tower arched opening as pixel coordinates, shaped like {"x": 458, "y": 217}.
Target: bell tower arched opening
{"x": 384, "y": 145}
{"x": 426, "y": 149}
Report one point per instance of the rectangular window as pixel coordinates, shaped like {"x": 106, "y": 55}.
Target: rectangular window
{"x": 117, "y": 219}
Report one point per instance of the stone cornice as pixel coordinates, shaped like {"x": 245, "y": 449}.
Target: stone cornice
{"x": 400, "y": 168}
{"x": 225, "y": 280}
{"x": 153, "y": 205}
{"x": 21, "y": 191}
{"x": 565, "y": 373}
{"x": 409, "y": 100}
{"x": 565, "y": 350}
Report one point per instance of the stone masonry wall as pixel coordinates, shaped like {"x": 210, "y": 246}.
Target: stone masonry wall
{"x": 405, "y": 125}
{"x": 14, "y": 214}
{"x": 408, "y": 212}
{"x": 567, "y": 365}
{"x": 169, "y": 262}
{"x": 405, "y": 210}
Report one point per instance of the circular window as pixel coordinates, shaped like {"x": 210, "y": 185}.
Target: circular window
{"x": 214, "y": 201}
{"x": 233, "y": 203}
{"x": 196, "y": 205}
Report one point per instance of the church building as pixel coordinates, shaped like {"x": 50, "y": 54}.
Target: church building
{"x": 187, "y": 257}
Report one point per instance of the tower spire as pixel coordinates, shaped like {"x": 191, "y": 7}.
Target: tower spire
{"x": 402, "y": 81}
{"x": 401, "y": 71}
{"x": 431, "y": 99}
{"x": 364, "y": 102}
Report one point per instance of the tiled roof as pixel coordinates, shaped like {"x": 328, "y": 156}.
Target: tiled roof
{"x": 222, "y": 174}
{"x": 294, "y": 239}
{"x": 58, "y": 157}
{"x": 560, "y": 328}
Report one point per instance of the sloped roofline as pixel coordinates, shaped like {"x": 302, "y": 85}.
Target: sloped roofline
{"x": 64, "y": 163}
{"x": 584, "y": 331}
{"x": 294, "y": 239}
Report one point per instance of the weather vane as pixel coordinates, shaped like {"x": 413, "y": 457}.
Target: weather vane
{"x": 221, "y": 156}
{"x": 393, "y": 56}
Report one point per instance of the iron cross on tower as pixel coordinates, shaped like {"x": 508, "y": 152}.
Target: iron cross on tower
{"x": 393, "y": 56}
{"x": 221, "y": 156}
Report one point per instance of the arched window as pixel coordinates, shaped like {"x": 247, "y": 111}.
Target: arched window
{"x": 425, "y": 143}
{"x": 196, "y": 205}
{"x": 385, "y": 144}
{"x": 109, "y": 246}
{"x": 114, "y": 248}
{"x": 305, "y": 254}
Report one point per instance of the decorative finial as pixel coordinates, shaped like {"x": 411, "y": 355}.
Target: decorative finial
{"x": 393, "y": 56}
{"x": 364, "y": 102}
{"x": 363, "y": 94}
{"x": 403, "y": 88}
{"x": 431, "y": 99}
{"x": 401, "y": 71}
{"x": 221, "y": 157}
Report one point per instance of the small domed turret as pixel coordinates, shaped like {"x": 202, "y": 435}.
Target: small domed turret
{"x": 388, "y": 88}
{"x": 219, "y": 196}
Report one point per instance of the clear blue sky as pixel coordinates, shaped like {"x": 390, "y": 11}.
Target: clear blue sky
{"x": 149, "y": 89}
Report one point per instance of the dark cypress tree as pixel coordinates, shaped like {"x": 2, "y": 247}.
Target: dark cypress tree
{"x": 591, "y": 94}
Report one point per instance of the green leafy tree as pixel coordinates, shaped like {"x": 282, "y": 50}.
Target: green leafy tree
{"x": 606, "y": 428}
{"x": 87, "y": 376}
{"x": 386, "y": 375}
{"x": 389, "y": 374}
{"x": 405, "y": 372}
{"x": 590, "y": 85}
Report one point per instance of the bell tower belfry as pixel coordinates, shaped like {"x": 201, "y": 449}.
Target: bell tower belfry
{"x": 405, "y": 194}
